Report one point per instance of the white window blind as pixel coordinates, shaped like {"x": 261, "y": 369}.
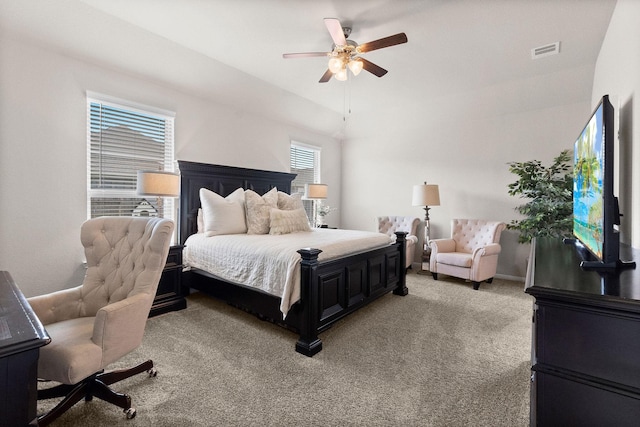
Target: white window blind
{"x": 122, "y": 139}
{"x": 305, "y": 162}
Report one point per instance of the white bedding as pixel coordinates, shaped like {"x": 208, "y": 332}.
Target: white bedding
{"x": 271, "y": 263}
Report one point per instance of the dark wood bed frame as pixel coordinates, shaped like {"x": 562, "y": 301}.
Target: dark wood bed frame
{"x": 330, "y": 290}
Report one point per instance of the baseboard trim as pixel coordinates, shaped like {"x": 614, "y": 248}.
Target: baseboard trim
{"x": 508, "y": 277}
{"x": 416, "y": 266}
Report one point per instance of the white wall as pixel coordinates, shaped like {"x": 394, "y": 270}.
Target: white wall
{"x": 462, "y": 143}
{"x": 43, "y": 151}
{"x": 617, "y": 73}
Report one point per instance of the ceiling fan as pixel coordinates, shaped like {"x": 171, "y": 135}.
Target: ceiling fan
{"x": 346, "y": 53}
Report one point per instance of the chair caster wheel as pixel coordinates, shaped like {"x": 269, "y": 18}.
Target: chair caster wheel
{"x": 153, "y": 372}
{"x": 130, "y": 413}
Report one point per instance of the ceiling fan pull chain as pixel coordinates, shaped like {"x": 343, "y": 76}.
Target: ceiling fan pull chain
{"x": 344, "y": 103}
{"x": 349, "y": 82}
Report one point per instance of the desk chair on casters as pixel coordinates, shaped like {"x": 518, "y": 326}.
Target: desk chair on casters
{"x": 97, "y": 323}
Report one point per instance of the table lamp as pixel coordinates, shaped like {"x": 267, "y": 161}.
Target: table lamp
{"x": 316, "y": 193}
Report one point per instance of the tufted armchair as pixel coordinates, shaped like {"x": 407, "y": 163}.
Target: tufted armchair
{"x": 95, "y": 324}
{"x": 471, "y": 253}
{"x": 390, "y": 224}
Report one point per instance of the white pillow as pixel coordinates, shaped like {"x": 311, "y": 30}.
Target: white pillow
{"x": 258, "y": 210}
{"x": 289, "y": 202}
{"x": 223, "y": 215}
{"x": 200, "y": 221}
{"x": 288, "y": 221}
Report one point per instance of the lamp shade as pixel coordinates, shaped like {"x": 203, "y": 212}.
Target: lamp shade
{"x": 315, "y": 191}
{"x": 158, "y": 183}
{"x": 426, "y": 195}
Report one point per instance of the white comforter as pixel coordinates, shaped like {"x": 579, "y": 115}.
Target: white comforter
{"x": 271, "y": 262}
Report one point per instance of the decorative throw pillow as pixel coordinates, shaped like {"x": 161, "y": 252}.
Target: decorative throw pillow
{"x": 289, "y": 202}
{"x": 288, "y": 221}
{"x": 258, "y": 210}
{"x": 223, "y": 215}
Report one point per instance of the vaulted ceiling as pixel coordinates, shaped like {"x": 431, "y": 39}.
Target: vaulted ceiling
{"x": 453, "y": 45}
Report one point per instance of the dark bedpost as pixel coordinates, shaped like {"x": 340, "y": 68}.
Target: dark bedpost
{"x": 401, "y": 288}
{"x": 309, "y": 343}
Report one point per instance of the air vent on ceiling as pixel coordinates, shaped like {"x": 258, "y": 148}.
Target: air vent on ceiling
{"x": 546, "y": 50}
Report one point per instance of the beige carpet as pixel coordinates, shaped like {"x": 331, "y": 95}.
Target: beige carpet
{"x": 444, "y": 355}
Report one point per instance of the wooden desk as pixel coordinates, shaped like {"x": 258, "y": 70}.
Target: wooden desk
{"x": 21, "y": 336}
{"x": 586, "y": 340}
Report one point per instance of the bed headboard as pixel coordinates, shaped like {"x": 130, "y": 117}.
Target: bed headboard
{"x": 222, "y": 180}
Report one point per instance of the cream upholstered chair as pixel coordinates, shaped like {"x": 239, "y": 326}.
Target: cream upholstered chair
{"x": 95, "y": 324}
{"x": 409, "y": 224}
{"x": 471, "y": 253}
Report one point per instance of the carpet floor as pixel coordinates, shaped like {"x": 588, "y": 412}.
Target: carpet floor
{"x": 444, "y": 355}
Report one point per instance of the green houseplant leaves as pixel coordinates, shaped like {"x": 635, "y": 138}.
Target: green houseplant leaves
{"x": 549, "y": 211}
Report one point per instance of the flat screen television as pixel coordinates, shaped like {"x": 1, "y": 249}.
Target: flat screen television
{"x": 596, "y": 216}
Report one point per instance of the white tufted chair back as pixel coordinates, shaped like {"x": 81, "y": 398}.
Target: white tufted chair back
{"x": 125, "y": 257}
{"x": 122, "y": 259}
{"x": 470, "y": 234}
{"x": 409, "y": 224}
{"x": 390, "y": 224}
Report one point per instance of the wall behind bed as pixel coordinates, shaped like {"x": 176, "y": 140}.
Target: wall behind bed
{"x": 43, "y": 140}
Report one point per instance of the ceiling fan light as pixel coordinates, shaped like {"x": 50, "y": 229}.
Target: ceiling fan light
{"x": 355, "y": 65}
{"x": 335, "y": 64}
{"x": 341, "y": 75}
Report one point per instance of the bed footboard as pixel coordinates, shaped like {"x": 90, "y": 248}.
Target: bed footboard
{"x": 334, "y": 289}
{"x": 329, "y": 290}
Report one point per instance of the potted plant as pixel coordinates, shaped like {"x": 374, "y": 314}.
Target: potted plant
{"x": 549, "y": 211}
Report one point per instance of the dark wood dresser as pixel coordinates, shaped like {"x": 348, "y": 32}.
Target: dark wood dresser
{"x": 21, "y": 336}
{"x": 585, "y": 341}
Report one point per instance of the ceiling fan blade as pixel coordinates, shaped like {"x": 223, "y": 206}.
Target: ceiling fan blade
{"x": 373, "y": 68}
{"x": 335, "y": 29}
{"x": 384, "y": 42}
{"x": 326, "y": 77}
{"x": 303, "y": 55}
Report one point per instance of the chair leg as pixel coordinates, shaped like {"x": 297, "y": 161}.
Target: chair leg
{"x": 489, "y": 280}
{"x": 435, "y": 276}
{"x": 476, "y": 285}
{"x": 103, "y": 392}
{"x": 121, "y": 374}
{"x": 78, "y": 392}
{"x": 57, "y": 391}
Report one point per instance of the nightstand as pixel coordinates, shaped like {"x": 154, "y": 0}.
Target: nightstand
{"x": 169, "y": 296}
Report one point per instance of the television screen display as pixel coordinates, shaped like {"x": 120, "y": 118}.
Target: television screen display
{"x": 588, "y": 184}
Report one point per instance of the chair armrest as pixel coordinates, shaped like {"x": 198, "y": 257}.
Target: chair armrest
{"x": 119, "y": 327}
{"x": 57, "y": 306}
{"x": 442, "y": 245}
{"x": 437, "y": 246}
{"x": 490, "y": 249}
{"x": 412, "y": 238}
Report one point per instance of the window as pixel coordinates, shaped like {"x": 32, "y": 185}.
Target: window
{"x": 305, "y": 162}
{"x": 123, "y": 138}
